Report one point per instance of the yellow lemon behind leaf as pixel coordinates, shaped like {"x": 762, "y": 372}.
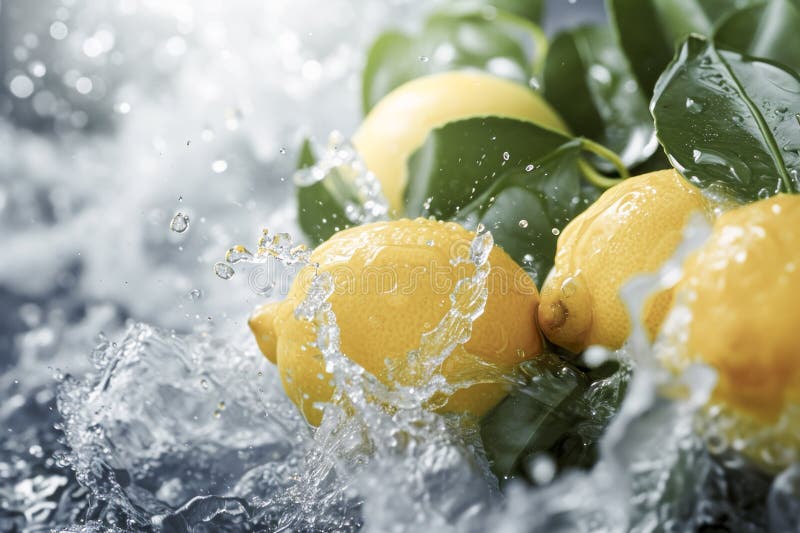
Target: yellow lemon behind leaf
{"x": 401, "y": 121}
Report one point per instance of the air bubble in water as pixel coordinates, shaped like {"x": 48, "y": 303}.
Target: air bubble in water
{"x": 555, "y": 231}
{"x": 179, "y": 223}
{"x": 523, "y": 223}
{"x": 223, "y": 270}
{"x": 506, "y": 156}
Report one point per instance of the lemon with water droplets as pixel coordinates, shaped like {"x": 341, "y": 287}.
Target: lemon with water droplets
{"x": 401, "y": 121}
{"x": 393, "y": 283}
{"x": 741, "y": 289}
{"x": 631, "y": 229}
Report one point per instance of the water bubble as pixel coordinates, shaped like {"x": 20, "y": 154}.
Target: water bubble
{"x": 282, "y": 151}
{"x": 763, "y": 193}
{"x": 21, "y": 86}
{"x": 534, "y": 84}
{"x": 219, "y": 166}
{"x": 179, "y": 223}
{"x": 527, "y": 258}
{"x": 58, "y": 30}
{"x": 84, "y": 85}
{"x": 37, "y": 69}
{"x": 555, "y": 231}
{"x": 223, "y": 270}
{"x": 123, "y": 108}
{"x": 424, "y": 59}
{"x": 529, "y": 168}
{"x": 506, "y": 156}
{"x": 523, "y": 223}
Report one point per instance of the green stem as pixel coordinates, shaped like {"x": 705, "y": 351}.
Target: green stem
{"x": 593, "y": 176}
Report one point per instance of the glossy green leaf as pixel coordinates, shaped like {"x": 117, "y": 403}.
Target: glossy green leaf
{"x": 530, "y": 9}
{"x": 729, "y": 120}
{"x": 489, "y": 39}
{"x": 587, "y": 78}
{"x": 770, "y": 30}
{"x": 526, "y": 209}
{"x": 460, "y": 160}
{"x": 562, "y": 411}
{"x": 320, "y": 210}
{"x": 650, "y": 30}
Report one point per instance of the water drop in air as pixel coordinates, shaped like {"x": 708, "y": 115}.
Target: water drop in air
{"x": 179, "y": 223}
{"x": 223, "y": 270}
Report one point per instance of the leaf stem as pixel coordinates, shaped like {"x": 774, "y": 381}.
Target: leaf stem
{"x": 592, "y": 175}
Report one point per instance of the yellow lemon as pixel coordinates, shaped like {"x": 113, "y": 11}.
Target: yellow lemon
{"x": 632, "y": 228}
{"x": 741, "y": 289}
{"x": 393, "y": 282}
{"x": 401, "y": 121}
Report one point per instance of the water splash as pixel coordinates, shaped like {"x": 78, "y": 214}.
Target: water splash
{"x": 344, "y": 174}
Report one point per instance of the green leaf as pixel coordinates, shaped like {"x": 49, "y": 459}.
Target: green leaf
{"x": 318, "y": 211}
{"x": 522, "y": 181}
{"x": 768, "y": 30}
{"x": 489, "y": 39}
{"x": 323, "y": 202}
{"x": 729, "y": 120}
{"x": 526, "y": 209}
{"x": 460, "y": 160}
{"x": 587, "y": 78}
{"x": 529, "y": 9}
{"x": 561, "y": 410}
{"x": 649, "y": 30}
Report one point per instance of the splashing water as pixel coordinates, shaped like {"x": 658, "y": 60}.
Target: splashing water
{"x": 182, "y": 425}
{"x": 345, "y": 176}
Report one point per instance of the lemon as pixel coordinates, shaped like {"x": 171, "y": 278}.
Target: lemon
{"x": 393, "y": 283}
{"x": 632, "y": 228}
{"x": 401, "y": 121}
{"x": 741, "y": 289}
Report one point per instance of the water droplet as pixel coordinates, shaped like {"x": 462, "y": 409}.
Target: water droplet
{"x": 179, "y": 223}
{"x": 58, "y": 30}
{"x": 528, "y": 168}
{"x": 527, "y": 258}
{"x": 763, "y": 193}
{"x": 238, "y": 253}
{"x": 555, "y": 231}
{"x": 506, "y": 156}
{"x": 195, "y": 294}
{"x": 204, "y": 383}
{"x": 523, "y": 223}
{"x": 424, "y": 59}
{"x": 542, "y": 468}
{"x": 282, "y": 151}
{"x": 534, "y": 84}
{"x": 600, "y": 74}
{"x": 223, "y": 270}
{"x": 219, "y": 166}
{"x": 21, "y": 86}
{"x": 693, "y": 106}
